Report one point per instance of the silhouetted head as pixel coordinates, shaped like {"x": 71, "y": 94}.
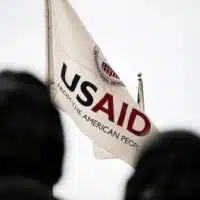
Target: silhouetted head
{"x": 31, "y": 134}
{"x": 18, "y": 188}
{"x": 168, "y": 168}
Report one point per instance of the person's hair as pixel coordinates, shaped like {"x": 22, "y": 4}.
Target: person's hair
{"x": 31, "y": 133}
{"x": 19, "y": 188}
{"x": 168, "y": 168}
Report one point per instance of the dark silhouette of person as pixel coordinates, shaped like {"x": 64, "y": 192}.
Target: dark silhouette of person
{"x": 167, "y": 169}
{"x": 31, "y": 133}
{"x": 19, "y": 188}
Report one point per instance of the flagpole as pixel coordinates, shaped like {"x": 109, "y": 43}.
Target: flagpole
{"x": 49, "y": 57}
{"x": 140, "y": 85}
{"x": 48, "y": 43}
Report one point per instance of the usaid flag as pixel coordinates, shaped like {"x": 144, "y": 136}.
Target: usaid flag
{"x": 89, "y": 91}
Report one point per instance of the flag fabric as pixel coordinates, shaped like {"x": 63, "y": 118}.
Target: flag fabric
{"x": 101, "y": 153}
{"x": 88, "y": 89}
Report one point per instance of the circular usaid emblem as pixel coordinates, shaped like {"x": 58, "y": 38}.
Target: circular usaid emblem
{"x": 105, "y": 71}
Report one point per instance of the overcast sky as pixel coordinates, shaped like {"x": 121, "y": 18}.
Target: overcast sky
{"x": 157, "y": 37}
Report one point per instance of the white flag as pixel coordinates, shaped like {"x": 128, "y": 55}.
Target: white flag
{"x": 88, "y": 90}
{"x": 101, "y": 153}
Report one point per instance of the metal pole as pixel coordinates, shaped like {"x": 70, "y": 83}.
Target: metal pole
{"x": 141, "y": 92}
{"x": 48, "y": 42}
